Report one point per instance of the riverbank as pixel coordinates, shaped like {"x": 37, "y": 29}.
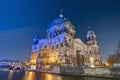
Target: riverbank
{"x": 81, "y": 75}
{"x": 27, "y": 75}
{"x": 104, "y": 72}
{"x": 97, "y": 72}
{"x": 95, "y": 76}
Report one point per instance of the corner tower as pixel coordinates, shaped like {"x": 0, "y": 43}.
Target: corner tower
{"x": 34, "y": 53}
{"x": 90, "y": 37}
{"x": 91, "y": 42}
{"x": 94, "y": 57}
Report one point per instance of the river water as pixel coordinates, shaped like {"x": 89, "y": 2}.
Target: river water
{"x": 27, "y": 75}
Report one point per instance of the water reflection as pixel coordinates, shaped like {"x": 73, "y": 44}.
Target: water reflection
{"x": 27, "y": 75}
{"x": 40, "y": 76}
{"x": 10, "y": 75}
{"x": 50, "y": 77}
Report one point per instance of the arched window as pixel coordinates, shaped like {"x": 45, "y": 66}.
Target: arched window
{"x": 88, "y": 38}
{"x": 57, "y": 46}
{"x": 61, "y": 44}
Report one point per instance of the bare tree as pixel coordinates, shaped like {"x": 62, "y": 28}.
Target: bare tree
{"x": 114, "y": 58}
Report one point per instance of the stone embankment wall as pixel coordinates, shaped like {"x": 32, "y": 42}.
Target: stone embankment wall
{"x": 97, "y": 71}
{"x": 91, "y": 71}
{"x": 72, "y": 70}
{"x": 115, "y": 71}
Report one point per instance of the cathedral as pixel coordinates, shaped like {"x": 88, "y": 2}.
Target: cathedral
{"x": 61, "y": 48}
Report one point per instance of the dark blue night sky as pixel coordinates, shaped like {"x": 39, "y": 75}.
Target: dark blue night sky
{"x": 21, "y": 20}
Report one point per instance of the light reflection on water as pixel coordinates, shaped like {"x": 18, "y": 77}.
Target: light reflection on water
{"x": 40, "y": 76}
{"x": 10, "y": 75}
{"x": 27, "y": 75}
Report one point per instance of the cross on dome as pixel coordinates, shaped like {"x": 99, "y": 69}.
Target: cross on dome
{"x": 61, "y": 15}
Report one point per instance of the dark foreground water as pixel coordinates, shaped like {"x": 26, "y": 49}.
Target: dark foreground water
{"x": 17, "y": 75}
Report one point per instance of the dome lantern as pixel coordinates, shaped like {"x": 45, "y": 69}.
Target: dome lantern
{"x": 61, "y": 15}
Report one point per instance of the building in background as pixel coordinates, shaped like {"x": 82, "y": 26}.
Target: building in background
{"x": 114, "y": 59}
{"x": 61, "y": 48}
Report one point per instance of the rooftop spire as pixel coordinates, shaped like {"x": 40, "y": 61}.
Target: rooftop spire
{"x": 61, "y": 15}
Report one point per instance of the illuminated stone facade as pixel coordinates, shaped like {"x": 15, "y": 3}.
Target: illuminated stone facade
{"x": 61, "y": 48}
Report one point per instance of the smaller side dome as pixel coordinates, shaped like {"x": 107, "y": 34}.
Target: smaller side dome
{"x": 90, "y": 35}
